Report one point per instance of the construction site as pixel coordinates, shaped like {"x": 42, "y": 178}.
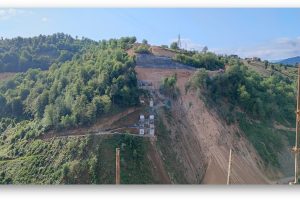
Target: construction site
{"x": 213, "y": 154}
{"x": 209, "y": 150}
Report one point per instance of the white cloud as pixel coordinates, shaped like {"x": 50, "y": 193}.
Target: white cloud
{"x": 279, "y": 48}
{"x": 6, "y": 14}
{"x": 276, "y": 49}
{"x": 44, "y": 19}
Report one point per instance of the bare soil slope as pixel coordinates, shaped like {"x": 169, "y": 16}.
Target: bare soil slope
{"x": 158, "y": 51}
{"x": 6, "y": 76}
{"x": 203, "y": 139}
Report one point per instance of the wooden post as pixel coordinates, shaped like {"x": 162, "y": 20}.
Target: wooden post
{"x": 117, "y": 166}
{"x": 229, "y": 167}
{"x": 296, "y": 148}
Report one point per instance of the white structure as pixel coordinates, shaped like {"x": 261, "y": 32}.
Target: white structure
{"x": 151, "y": 119}
{"x": 151, "y": 103}
{"x": 151, "y": 125}
{"x": 142, "y": 131}
{"x": 142, "y": 118}
{"x": 152, "y": 131}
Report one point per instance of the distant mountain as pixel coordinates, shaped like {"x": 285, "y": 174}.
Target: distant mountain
{"x": 290, "y": 61}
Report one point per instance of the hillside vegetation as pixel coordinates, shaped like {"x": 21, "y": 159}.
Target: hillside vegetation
{"x": 245, "y": 97}
{"x": 209, "y": 61}
{"x": 70, "y": 94}
{"x": 77, "y": 160}
{"x": 73, "y": 93}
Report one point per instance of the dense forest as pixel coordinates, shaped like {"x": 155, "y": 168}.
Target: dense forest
{"x": 75, "y": 92}
{"x": 19, "y": 54}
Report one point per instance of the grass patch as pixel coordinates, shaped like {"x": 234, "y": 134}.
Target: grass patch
{"x": 74, "y": 160}
{"x": 171, "y": 162}
{"x": 268, "y": 142}
{"x": 135, "y": 167}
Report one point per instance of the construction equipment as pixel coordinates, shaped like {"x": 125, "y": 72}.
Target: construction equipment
{"x": 229, "y": 167}
{"x": 117, "y": 166}
{"x": 296, "y": 148}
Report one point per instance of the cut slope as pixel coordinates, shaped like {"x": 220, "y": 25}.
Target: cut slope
{"x": 193, "y": 121}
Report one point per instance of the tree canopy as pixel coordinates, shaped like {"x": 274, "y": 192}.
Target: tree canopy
{"x": 19, "y": 54}
{"x": 207, "y": 60}
{"x": 75, "y": 92}
{"x": 267, "y": 98}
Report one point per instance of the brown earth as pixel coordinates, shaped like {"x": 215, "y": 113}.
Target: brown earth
{"x": 105, "y": 123}
{"x": 6, "y": 75}
{"x": 205, "y": 139}
{"x": 158, "y": 51}
{"x": 155, "y": 50}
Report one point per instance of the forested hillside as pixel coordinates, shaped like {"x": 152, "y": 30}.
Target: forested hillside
{"x": 69, "y": 94}
{"x": 75, "y": 92}
{"x": 19, "y": 54}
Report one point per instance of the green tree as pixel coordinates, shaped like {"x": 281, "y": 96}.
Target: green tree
{"x": 16, "y": 106}
{"x": 174, "y": 46}
{"x": 41, "y": 103}
{"x": 145, "y": 42}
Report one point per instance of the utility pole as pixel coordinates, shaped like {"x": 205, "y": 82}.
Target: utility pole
{"x": 179, "y": 42}
{"x": 296, "y": 149}
{"x": 117, "y": 166}
{"x": 229, "y": 167}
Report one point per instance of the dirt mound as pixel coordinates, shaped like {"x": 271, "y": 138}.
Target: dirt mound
{"x": 203, "y": 139}
{"x": 155, "y": 50}
{"x": 105, "y": 123}
{"x": 6, "y": 76}
{"x": 159, "y": 51}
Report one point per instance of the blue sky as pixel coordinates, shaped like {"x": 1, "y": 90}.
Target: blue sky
{"x": 268, "y": 33}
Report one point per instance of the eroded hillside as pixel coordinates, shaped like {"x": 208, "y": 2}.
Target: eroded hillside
{"x": 199, "y": 139}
